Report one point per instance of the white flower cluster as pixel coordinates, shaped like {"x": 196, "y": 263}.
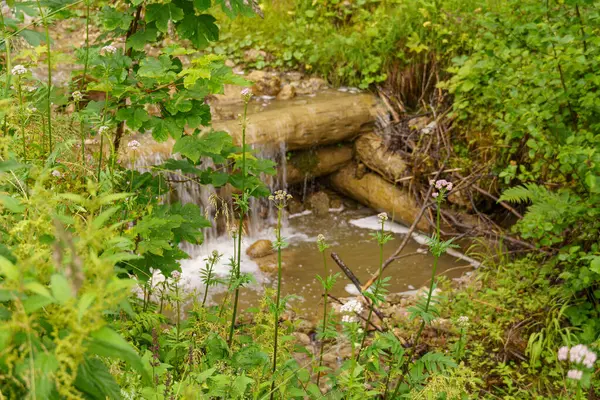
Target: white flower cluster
{"x": 320, "y": 238}
{"x": 578, "y": 354}
{"x": 102, "y": 129}
{"x": 463, "y": 321}
{"x": 77, "y": 96}
{"x": 56, "y": 173}
{"x": 176, "y": 275}
{"x": 19, "y": 70}
{"x": 349, "y": 309}
{"x": 133, "y": 145}
{"x": 110, "y": 49}
{"x": 280, "y": 196}
{"x": 382, "y": 216}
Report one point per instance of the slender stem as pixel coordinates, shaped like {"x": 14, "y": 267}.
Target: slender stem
{"x": 429, "y": 294}
{"x": 178, "y": 305}
{"x": 240, "y": 227}
{"x": 7, "y": 50}
{"x": 49, "y": 62}
{"x": 21, "y": 117}
{"x": 277, "y": 301}
{"x": 375, "y": 292}
{"x": 87, "y": 46}
{"x": 84, "y": 76}
{"x": 325, "y": 298}
{"x": 209, "y": 277}
{"x": 100, "y": 155}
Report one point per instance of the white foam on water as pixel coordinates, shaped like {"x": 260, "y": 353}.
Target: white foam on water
{"x": 351, "y": 289}
{"x": 373, "y": 223}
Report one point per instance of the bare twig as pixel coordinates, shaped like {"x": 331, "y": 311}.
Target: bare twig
{"x": 354, "y": 280}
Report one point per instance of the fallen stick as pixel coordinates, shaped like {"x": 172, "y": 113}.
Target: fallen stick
{"x": 355, "y": 281}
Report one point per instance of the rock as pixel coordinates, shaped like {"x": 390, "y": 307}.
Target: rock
{"x": 302, "y": 338}
{"x": 305, "y": 326}
{"x": 315, "y": 163}
{"x": 372, "y": 151}
{"x": 265, "y": 84}
{"x": 320, "y": 121}
{"x": 310, "y": 86}
{"x": 260, "y": 248}
{"x": 319, "y": 204}
{"x": 231, "y": 95}
{"x": 293, "y": 76}
{"x": 253, "y": 55}
{"x": 374, "y": 191}
{"x": 268, "y": 264}
{"x": 287, "y": 92}
{"x": 294, "y": 206}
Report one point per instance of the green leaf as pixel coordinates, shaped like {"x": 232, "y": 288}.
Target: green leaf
{"x": 595, "y": 264}
{"x": 163, "y": 127}
{"x": 135, "y": 117}
{"x": 201, "y": 5}
{"x": 208, "y": 145}
{"x": 115, "y": 19}
{"x": 162, "y": 13}
{"x": 8, "y": 269}
{"x": 38, "y": 288}
{"x": 95, "y": 380}
{"x": 61, "y": 289}
{"x": 34, "y": 303}
{"x": 13, "y": 205}
{"x": 240, "y": 385}
{"x": 200, "y": 30}
{"x": 108, "y": 343}
{"x": 138, "y": 40}
{"x": 593, "y": 182}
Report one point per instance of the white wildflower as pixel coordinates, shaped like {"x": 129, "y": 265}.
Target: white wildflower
{"x": 563, "y": 353}
{"x": 77, "y": 95}
{"x": 349, "y": 319}
{"x": 133, "y": 145}
{"x": 19, "y": 70}
{"x": 110, "y": 49}
{"x": 56, "y": 173}
{"x": 176, "y": 275}
{"x": 352, "y": 306}
{"x": 463, "y": 321}
{"x": 102, "y": 129}
{"x": 575, "y": 374}
{"x": 578, "y": 353}
{"x": 382, "y": 217}
{"x": 589, "y": 359}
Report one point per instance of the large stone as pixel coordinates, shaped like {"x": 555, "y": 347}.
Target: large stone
{"x": 319, "y": 203}
{"x": 374, "y": 191}
{"x": 372, "y": 151}
{"x": 265, "y": 84}
{"x": 315, "y": 163}
{"x": 311, "y": 85}
{"x": 314, "y": 122}
{"x": 260, "y": 248}
{"x": 287, "y": 92}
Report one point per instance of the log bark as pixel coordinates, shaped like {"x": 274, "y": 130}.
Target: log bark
{"x": 320, "y": 162}
{"x": 374, "y": 191}
{"x": 372, "y": 151}
{"x": 316, "y": 122}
